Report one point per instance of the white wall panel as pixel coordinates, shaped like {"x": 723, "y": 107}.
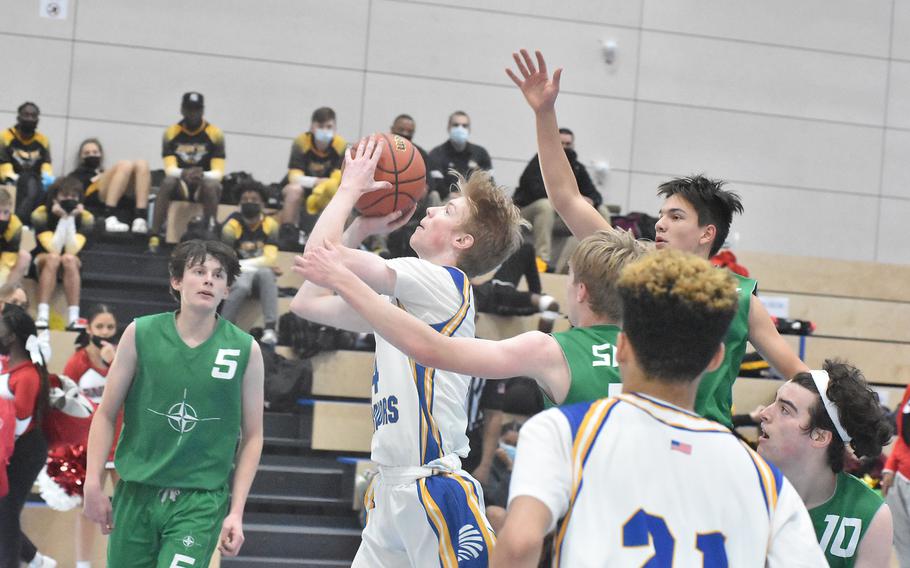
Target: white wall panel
{"x": 896, "y": 172}
{"x": 302, "y": 31}
{"x": 760, "y": 78}
{"x": 900, "y": 39}
{"x": 500, "y": 119}
{"x": 21, "y": 17}
{"x": 34, "y": 69}
{"x": 471, "y": 46}
{"x": 899, "y": 95}
{"x": 266, "y": 98}
{"x": 839, "y": 25}
{"x": 758, "y": 149}
{"x": 892, "y": 231}
{"x": 615, "y": 12}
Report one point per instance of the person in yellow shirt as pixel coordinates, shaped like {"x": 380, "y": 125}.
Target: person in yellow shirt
{"x": 61, "y": 228}
{"x": 13, "y": 261}
{"x": 193, "y": 152}
{"x": 25, "y": 160}
{"x": 314, "y": 169}
{"x": 253, "y": 236}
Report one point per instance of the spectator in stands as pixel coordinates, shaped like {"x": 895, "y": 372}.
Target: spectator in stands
{"x": 62, "y": 228}
{"x": 88, "y": 367}
{"x": 27, "y": 382}
{"x": 314, "y": 169}
{"x": 806, "y": 432}
{"x": 105, "y": 189}
{"x": 457, "y": 154}
{"x": 14, "y": 262}
{"x": 25, "y": 160}
{"x": 193, "y": 152}
{"x": 253, "y": 236}
{"x": 896, "y": 482}
{"x": 500, "y": 295}
{"x": 531, "y": 197}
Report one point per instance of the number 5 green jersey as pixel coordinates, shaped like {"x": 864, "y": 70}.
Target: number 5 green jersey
{"x": 182, "y": 414}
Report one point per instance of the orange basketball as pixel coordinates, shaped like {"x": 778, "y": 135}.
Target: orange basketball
{"x": 401, "y": 165}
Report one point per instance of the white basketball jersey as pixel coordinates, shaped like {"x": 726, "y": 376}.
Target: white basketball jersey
{"x": 419, "y": 413}
{"x": 636, "y": 481}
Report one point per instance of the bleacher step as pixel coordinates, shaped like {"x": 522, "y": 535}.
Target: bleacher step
{"x": 320, "y": 538}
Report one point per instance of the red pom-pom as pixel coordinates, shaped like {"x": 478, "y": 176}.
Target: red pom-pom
{"x": 66, "y": 466}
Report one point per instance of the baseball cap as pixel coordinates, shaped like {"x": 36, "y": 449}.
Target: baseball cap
{"x": 193, "y": 99}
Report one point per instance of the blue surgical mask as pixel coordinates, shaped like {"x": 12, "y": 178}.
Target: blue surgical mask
{"x": 458, "y": 135}
{"x": 323, "y": 135}
{"x": 509, "y": 449}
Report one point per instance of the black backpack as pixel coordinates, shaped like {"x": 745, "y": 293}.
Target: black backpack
{"x": 308, "y": 338}
{"x": 286, "y": 380}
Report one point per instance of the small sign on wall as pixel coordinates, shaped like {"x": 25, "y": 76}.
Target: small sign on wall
{"x": 53, "y": 9}
{"x": 777, "y": 306}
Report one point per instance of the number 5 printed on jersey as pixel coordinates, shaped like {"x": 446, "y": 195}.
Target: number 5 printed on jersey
{"x": 643, "y": 529}
{"x": 225, "y": 364}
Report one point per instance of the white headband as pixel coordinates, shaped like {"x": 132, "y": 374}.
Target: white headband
{"x": 821, "y": 379}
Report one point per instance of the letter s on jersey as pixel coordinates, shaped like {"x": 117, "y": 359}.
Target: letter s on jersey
{"x": 385, "y": 411}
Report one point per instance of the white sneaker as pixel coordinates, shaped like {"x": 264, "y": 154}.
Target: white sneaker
{"x": 113, "y": 225}
{"x": 42, "y": 561}
{"x": 140, "y": 226}
{"x": 41, "y": 323}
{"x": 269, "y": 337}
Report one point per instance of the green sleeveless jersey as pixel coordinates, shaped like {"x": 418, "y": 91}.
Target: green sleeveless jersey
{"x": 714, "y": 399}
{"x": 589, "y": 352}
{"x": 841, "y": 522}
{"x": 182, "y": 415}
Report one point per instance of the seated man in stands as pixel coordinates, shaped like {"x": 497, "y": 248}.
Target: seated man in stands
{"x": 314, "y": 169}
{"x": 104, "y": 189}
{"x": 61, "y": 228}
{"x": 193, "y": 152}
{"x": 253, "y": 236}
{"x": 25, "y": 160}
{"x": 14, "y": 262}
{"x": 531, "y": 197}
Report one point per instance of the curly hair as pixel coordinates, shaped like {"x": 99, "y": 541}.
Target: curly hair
{"x": 676, "y": 309}
{"x": 22, "y": 326}
{"x": 714, "y": 205}
{"x": 493, "y": 220}
{"x": 858, "y": 410}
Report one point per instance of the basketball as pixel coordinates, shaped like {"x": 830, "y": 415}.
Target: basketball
{"x": 401, "y": 165}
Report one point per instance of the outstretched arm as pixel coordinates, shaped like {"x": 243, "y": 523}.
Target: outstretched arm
{"x": 770, "y": 344}
{"x": 541, "y": 91}
{"x": 531, "y": 354}
{"x": 248, "y": 454}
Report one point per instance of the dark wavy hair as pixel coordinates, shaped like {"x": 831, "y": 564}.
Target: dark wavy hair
{"x": 858, "y": 409}
{"x": 714, "y": 205}
{"x": 193, "y": 252}
{"x": 22, "y": 326}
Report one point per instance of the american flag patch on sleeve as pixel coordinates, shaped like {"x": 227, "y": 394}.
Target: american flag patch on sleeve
{"x": 681, "y": 447}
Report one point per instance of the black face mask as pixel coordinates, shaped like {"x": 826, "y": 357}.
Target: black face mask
{"x": 27, "y": 127}
{"x": 3, "y": 226}
{"x": 97, "y": 341}
{"x": 250, "y": 210}
{"x": 92, "y": 162}
{"x": 570, "y": 153}
{"x": 69, "y": 205}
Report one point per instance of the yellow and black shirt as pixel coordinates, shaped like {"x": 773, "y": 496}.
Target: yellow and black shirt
{"x": 307, "y": 160}
{"x": 45, "y": 223}
{"x": 12, "y": 236}
{"x": 251, "y": 241}
{"x": 202, "y": 148}
{"x": 18, "y": 153}
{"x": 89, "y": 177}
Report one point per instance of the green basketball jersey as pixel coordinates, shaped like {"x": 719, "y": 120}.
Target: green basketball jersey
{"x": 714, "y": 399}
{"x": 182, "y": 414}
{"x": 842, "y": 520}
{"x": 589, "y": 351}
